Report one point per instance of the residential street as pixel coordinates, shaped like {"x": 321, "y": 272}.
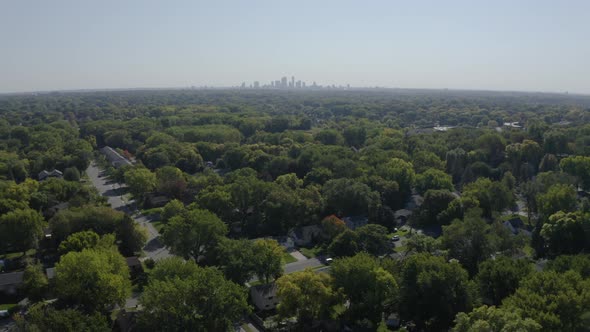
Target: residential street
{"x": 153, "y": 248}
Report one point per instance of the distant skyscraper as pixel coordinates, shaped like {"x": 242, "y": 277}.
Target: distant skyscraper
{"x": 303, "y": 84}
{"x": 298, "y": 84}
{"x": 272, "y": 84}
{"x": 243, "y": 85}
{"x": 284, "y": 82}
{"x": 256, "y": 85}
{"x": 292, "y": 81}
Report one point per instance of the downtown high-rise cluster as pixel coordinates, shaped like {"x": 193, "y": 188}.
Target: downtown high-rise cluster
{"x": 285, "y": 83}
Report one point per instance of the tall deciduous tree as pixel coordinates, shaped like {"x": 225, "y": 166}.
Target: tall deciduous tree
{"x": 556, "y": 301}
{"x": 201, "y": 300}
{"x": 492, "y": 319}
{"x": 21, "y": 230}
{"x": 93, "y": 279}
{"x": 433, "y": 291}
{"x": 306, "y": 295}
{"x": 193, "y": 233}
{"x": 369, "y": 288}
{"x": 268, "y": 255}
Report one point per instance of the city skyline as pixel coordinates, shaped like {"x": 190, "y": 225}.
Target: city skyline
{"x": 285, "y": 83}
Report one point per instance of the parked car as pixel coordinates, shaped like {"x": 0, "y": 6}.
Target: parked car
{"x": 395, "y": 238}
{"x": 4, "y": 314}
{"x": 329, "y": 261}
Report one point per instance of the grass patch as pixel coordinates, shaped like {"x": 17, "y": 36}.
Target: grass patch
{"x": 400, "y": 232}
{"x": 311, "y": 252}
{"x": 246, "y": 328}
{"x": 255, "y": 283}
{"x": 158, "y": 225}
{"x": 400, "y": 249}
{"x": 528, "y": 250}
{"x": 287, "y": 258}
{"x": 8, "y": 306}
{"x": 19, "y": 254}
{"x": 147, "y": 212}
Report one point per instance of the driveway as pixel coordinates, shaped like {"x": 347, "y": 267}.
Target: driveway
{"x": 153, "y": 249}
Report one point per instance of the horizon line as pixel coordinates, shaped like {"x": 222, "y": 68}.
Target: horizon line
{"x": 307, "y": 88}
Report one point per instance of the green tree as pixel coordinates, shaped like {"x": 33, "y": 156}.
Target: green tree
{"x": 236, "y": 259}
{"x": 433, "y": 179}
{"x": 492, "y": 319}
{"x": 72, "y": 174}
{"x": 433, "y": 291}
{"x": 400, "y": 171}
{"x": 268, "y": 254}
{"x": 35, "y": 282}
{"x": 578, "y": 263}
{"x": 435, "y": 202}
{"x": 492, "y": 196}
{"x": 578, "y": 166}
{"x": 565, "y": 233}
{"x": 559, "y": 197}
{"x": 172, "y": 209}
{"x": 500, "y": 277}
{"x": 140, "y": 181}
{"x": 425, "y": 160}
{"x": 369, "y": 289}
{"x": 44, "y": 317}
{"x": 193, "y": 233}
{"x": 306, "y": 295}
{"x": 171, "y": 181}
{"x": 372, "y": 238}
{"x": 344, "y": 244}
{"x": 556, "y": 301}
{"x": 21, "y": 230}
{"x": 349, "y": 197}
{"x": 472, "y": 240}
{"x": 200, "y": 300}
{"x": 79, "y": 241}
{"x": 93, "y": 279}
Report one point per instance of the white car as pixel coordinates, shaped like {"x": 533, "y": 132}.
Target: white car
{"x": 4, "y": 314}
{"x": 395, "y": 238}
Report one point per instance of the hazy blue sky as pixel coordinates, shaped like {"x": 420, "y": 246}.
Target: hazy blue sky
{"x": 501, "y": 45}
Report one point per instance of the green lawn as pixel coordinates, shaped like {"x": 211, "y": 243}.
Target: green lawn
{"x": 12, "y": 255}
{"x": 247, "y": 328}
{"x": 400, "y": 232}
{"x": 8, "y": 306}
{"x": 147, "y": 212}
{"x": 311, "y": 252}
{"x": 158, "y": 225}
{"x": 400, "y": 248}
{"x": 287, "y": 258}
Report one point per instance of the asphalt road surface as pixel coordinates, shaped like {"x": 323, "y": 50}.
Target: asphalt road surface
{"x": 113, "y": 191}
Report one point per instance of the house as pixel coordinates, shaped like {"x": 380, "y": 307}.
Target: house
{"x": 264, "y": 297}
{"x": 155, "y": 200}
{"x": 49, "y": 174}
{"x": 512, "y": 124}
{"x": 306, "y": 235}
{"x": 402, "y": 216}
{"x": 135, "y": 267}
{"x": 10, "y": 282}
{"x": 114, "y": 157}
{"x": 50, "y": 273}
{"x": 354, "y": 222}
